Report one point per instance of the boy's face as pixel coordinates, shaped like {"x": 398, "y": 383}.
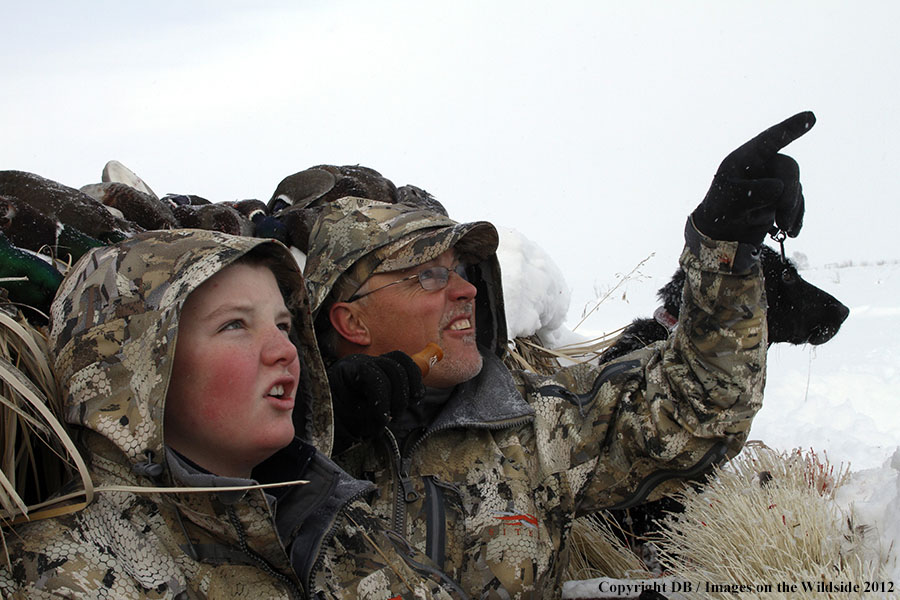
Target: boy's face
{"x": 235, "y": 375}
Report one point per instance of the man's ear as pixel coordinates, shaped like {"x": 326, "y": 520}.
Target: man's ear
{"x": 349, "y": 324}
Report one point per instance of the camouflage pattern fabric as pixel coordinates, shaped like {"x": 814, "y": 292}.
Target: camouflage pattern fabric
{"x": 489, "y": 491}
{"x": 114, "y": 325}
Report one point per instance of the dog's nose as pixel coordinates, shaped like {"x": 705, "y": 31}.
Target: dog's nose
{"x": 824, "y": 331}
{"x": 843, "y": 312}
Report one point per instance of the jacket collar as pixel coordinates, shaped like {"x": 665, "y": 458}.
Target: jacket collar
{"x": 491, "y": 399}
{"x": 187, "y": 474}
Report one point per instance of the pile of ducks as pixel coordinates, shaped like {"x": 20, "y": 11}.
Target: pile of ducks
{"x": 46, "y": 226}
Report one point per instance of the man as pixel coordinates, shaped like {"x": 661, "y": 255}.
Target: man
{"x": 487, "y": 468}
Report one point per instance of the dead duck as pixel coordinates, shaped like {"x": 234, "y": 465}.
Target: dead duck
{"x": 414, "y": 196}
{"x": 28, "y": 279}
{"x": 67, "y": 205}
{"x": 184, "y": 200}
{"x": 30, "y": 229}
{"x": 264, "y": 225}
{"x": 116, "y": 172}
{"x": 148, "y": 212}
{"x": 327, "y": 183}
{"x": 299, "y": 198}
{"x": 214, "y": 216}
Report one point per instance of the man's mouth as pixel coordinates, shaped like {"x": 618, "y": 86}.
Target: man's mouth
{"x": 460, "y": 324}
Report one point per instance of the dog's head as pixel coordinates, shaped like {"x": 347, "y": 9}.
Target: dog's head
{"x": 799, "y": 312}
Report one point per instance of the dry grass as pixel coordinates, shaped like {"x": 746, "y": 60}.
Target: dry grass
{"x": 770, "y": 517}
{"x": 37, "y": 454}
{"x": 530, "y": 354}
{"x": 635, "y": 273}
{"x": 596, "y": 551}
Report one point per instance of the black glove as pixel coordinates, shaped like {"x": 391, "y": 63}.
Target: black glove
{"x": 755, "y": 187}
{"x": 368, "y": 391}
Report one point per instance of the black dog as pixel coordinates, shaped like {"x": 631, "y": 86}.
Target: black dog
{"x": 799, "y": 312}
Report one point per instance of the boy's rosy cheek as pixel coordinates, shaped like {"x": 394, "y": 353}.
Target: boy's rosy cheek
{"x": 214, "y": 413}
{"x": 226, "y": 386}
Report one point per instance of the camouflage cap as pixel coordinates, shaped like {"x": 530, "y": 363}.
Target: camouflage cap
{"x": 356, "y": 237}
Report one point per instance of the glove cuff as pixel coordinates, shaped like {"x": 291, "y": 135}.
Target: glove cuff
{"x": 720, "y": 255}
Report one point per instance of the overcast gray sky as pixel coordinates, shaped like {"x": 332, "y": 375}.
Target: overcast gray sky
{"x": 591, "y": 127}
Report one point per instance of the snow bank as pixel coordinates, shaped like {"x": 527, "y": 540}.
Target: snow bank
{"x": 534, "y": 288}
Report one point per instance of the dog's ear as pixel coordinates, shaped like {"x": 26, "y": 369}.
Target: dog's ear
{"x": 670, "y": 294}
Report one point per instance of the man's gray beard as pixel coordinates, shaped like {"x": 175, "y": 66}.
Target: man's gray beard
{"x": 454, "y": 372}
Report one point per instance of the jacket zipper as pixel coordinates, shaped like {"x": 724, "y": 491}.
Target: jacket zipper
{"x": 404, "y": 484}
{"x": 395, "y": 537}
{"x": 261, "y": 562}
{"x": 323, "y": 543}
{"x": 406, "y": 493}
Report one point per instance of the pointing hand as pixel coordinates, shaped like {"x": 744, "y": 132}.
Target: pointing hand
{"x": 756, "y": 187}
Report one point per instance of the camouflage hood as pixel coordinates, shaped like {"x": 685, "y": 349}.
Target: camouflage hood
{"x": 114, "y": 325}
{"x": 355, "y": 237}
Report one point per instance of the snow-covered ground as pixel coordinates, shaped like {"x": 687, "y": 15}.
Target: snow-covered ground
{"x": 839, "y": 399}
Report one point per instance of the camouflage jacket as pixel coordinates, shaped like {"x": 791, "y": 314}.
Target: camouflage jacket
{"x": 489, "y": 491}
{"x": 114, "y": 324}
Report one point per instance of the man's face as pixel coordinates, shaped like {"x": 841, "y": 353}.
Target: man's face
{"x": 235, "y": 373}
{"x": 406, "y": 317}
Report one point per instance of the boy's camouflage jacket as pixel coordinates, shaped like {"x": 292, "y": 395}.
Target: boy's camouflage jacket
{"x": 489, "y": 491}
{"x": 113, "y": 330}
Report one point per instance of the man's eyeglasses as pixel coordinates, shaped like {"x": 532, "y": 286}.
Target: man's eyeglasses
{"x": 431, "y": 279}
